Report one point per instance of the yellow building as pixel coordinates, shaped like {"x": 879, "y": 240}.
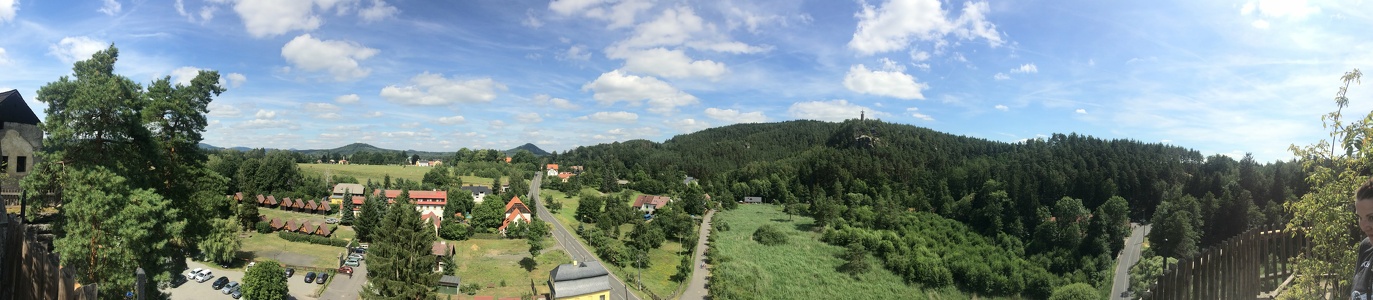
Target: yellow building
{"x": 336, "y": 198}
{"x": 579, "y": 281}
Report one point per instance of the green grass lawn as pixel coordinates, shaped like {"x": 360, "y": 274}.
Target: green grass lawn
{"x": 487, "y": 262}
{"x": 805, "y": 267}
{"x": 343, "y": 232}
{"x": 662, "y": 261}
{"x": 270, "y": 246}
{"x": 378, "y": 173}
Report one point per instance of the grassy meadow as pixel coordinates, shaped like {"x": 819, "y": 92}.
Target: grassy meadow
{"x": 804, "y": 267}
{"x": 378, "y": 173}
{"x": 487, "y": 262}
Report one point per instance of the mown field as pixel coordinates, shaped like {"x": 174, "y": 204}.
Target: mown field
{"x": 378, "y": 173}
{"x": 662, "y": 261}
{"x": 804, "y": 268}
{"x": 488, "y": 262}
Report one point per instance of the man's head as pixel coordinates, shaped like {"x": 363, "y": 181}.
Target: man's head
{"x": 1363, "y": 207}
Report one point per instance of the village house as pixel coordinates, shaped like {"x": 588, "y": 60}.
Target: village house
{"x": 425, "y": 201}
{"x": 440, "y": 250}
{"x": 552, "y": 169}
{"x": 20, "y": 139}
{"x": 336, "y": 198}
{"x": 650, "y": 203}
{"x": 479, "y": 192}
{"x": 584, "y": 280}
{"x": 753, "y": 200}
{"x": 515, "y": 211}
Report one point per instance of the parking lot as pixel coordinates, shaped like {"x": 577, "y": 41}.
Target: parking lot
{"x": 192, "y": 290}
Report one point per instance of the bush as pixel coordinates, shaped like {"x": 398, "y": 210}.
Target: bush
{"x": 313, "y": 239}
{"x": 1074, "y": 291}
{"x": 263, "y": 227}
{"x": 769, "y": 235}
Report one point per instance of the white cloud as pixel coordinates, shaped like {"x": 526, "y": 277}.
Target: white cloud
{"x": 8, "y": 8}
{"x": 894, "y": 24}
{"x": 833, "y": 110}
{"x": 347, "y": 99}
{"x": 1260, "y": 24}
{"x": 433, "y": 89}
{"x": 452, "y": 120}
{"x": 268, "y": 124}
{"x": 615, "y": 86}
{"x": 496, "y": 124}
{"x": 917, "y": 55}
{"x": 410, "y": 125}
{"x": 669, "y": 63}
{"x": 318, "y": 107}
{"x": 1001, "y": 76}
{"x": 1081, "y": 111}
{"x": 374, "y": 114}
{"x": 1026, "y": 68}
{"x": 4, "y": 58}
{"x": 576, "y": 52}
{"x": 265, "y": 114}
{"x": 339, "y": 57}
{"x": 184, "y": 75}
{"x": 1296, "y": 9}
{"x": 531, "y": 21}
{"x": 207, "y": 10}
{"x": 559, "y": 103}
{"x": 1002, "y": 107}
{"x": 734, "y": 116}
{"x": 111, "y": 7}
{"x": 329, "y": 116}
{"x": 72, "y": 49}
{"x": 529, "y": 117}
{"x": 236, "y": 79}
{"x": 618, "y": 13}
{"x": 687, "y": 125}
{"x": 611, "y": 117}
{"x": 674, "y": 26}
{"x": 224, "y": 110}
{"x": 890, "y": 83}
{"x": 267, "y": 18}
{"x": 378, "y": 11}
{"x": 915, "y": 112}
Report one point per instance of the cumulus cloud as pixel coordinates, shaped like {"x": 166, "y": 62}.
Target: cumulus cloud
{"x": 236, "y": 79}
{"x": 531, "y": 21}
{"x": 734, "y": 116}
{"x": 452, "y": 120}
{"x": 184, "y": 75}
{"x": 323, "y": 110}
{"x": 433, "y": 89}
{"x": 378, "y": 11}
{"x": 4, "y": 58}
{"x": 347, "y": 99}
{"x": 1026, "y": 68}
{"x": 669, "y": 63}
{"x": 687, "y": 125}
{"x": 576, "y": 52}
{"x": 1002, "y": 107}
{"x": 915, "y": 112}
{"x": 267, "y": 124}
{"x": 1001, "y": 76}
{"x": 833, "y": 110}
{"x": 222, "y": 110}
{"x": 560, "y": 103}
{"x": 265, "y": 114}
{"x": 1260, "y": 24}
{"x": 896, "y": 23}
{"x": 611, "y": 117}
{"x": 8, "y": 8}
{"x": 340, "y": 58}
{"x": 615, "y": 86}
{"x": 71, "y": 49}
{"x": 267, "y": 18}
{"x": 110, "y": 7}
{"x": 529, "y": 117}
{"x": 889, "y": 83}
{"x": 206, "y": 13}
{"x": 618, "y": 14}
{"x": 1081, "y": 111}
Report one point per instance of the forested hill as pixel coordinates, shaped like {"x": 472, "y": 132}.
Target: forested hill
{"x": 845, "y": 174}
{"x": 526, "y": 147}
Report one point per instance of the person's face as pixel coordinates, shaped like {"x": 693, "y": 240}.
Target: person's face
{"x": 1364, "y": 208}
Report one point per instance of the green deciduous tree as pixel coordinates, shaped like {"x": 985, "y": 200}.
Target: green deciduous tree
{"x": 489, "y": 214}
{"x": 855, "y": 259}
{"x": 589, "y": 209}
{"x": 1323, "y": 214}
{"x": 265, "y": 280}
{"x": 1076, "y": 291}
{"x": 223, "y": 243}
{"x": 400, "y": 261}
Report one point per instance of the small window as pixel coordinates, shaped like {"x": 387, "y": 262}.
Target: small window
{"x": 21, "y": 164}
{"x": 602, "y": 297}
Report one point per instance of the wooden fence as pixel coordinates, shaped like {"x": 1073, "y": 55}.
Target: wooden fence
{"x": 29, "y": 271}
{"x": 1252, "y": 265}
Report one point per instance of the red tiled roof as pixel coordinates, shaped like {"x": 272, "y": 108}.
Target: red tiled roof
{"x": 436, "y": 198}
{"x": 513, "y": 202}
{"x": 565, "y": 175}
{"x": 512, "y": 218}
{"x": 552, "y": 167}
{"x": 657, "y": 201}
{"x": 357, "y": 202}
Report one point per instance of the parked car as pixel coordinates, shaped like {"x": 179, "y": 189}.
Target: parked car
{"x": 290, "y": 272}
{"x": 177, "y": 281}
{"x": 237, "y": 294}
{"x": 355, "y": 255}
{"x": 310, "y": 277}
{"x": 220, "y": 283}
{"x": 352, "y": 263}
{"x": 345, "y": 270}
{"x": 230, "y": 288}
{"x": 330, "y": 220}
{"x": 322, "y": 278}
{"x": 202, "y": 278}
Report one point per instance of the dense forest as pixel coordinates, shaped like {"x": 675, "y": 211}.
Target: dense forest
{"x": 992, "y": 217}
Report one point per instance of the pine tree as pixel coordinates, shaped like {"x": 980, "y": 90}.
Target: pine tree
{"x": 347, "y": 209}
{"x": 369, "y": 218}
{"x": 400, "y": 259}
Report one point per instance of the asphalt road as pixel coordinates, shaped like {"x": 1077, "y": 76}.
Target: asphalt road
{"x": 574, "y": 248}
{"x": 1128, "y": 257}
{"x": 696, "y": 289}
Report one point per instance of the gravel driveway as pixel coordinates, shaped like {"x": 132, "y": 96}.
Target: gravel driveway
{"x": 192, "y": 290}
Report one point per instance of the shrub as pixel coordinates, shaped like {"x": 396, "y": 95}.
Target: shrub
{"x": 769, "y": 235}
{"x": 263, "y": 227}
{"x": 471, "y": 288}
{"x": 313, "y": 239}
{"x": 1074, "y": 291}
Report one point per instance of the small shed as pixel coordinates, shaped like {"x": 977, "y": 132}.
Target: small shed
{"x": 323, "y": 207}
{"x": 292, "y": 225}
{"x": 448, "y": 284}
{"x": 270, "y": 201}
{"x": 310, "y": 206}
{"x": 306, "y": 228}
{"x": 277, "y": 224}
{"x": 286, "y": 203}
{"x": 753, "y": 199}
{"x": 324, "y": 230}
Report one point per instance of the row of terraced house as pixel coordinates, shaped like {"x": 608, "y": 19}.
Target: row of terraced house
{"x": 298, "y": 205}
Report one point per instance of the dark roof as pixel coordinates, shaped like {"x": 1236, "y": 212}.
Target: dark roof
{"x": 586, "y": 269}
{"x": 578, "y": 279}
{"x": 478, "y": 189}
{"x": 13, "y": 109}
{"x": 449, "y": 280}
{"x": 753, "y": 199}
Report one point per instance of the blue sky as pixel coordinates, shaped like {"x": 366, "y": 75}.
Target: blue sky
{"x": 1223, "y": 77}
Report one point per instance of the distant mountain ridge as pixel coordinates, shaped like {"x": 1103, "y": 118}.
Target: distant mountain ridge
{"x": 353, "y": 148}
